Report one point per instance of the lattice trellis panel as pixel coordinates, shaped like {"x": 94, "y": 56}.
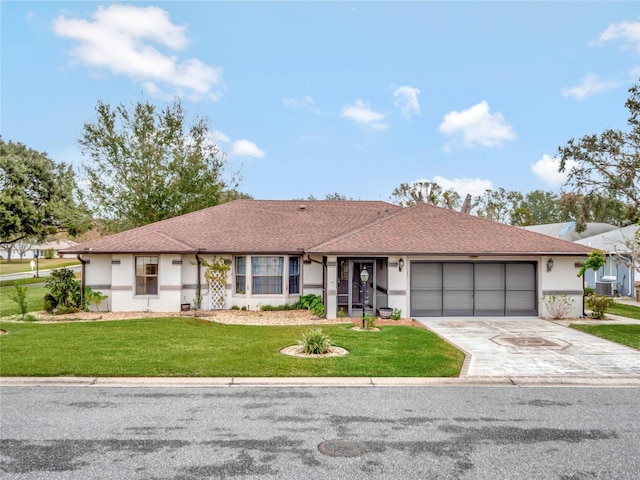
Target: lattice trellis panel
{"x": 217, "y": 290}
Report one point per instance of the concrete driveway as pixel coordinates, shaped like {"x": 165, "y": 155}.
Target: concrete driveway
{"x": 532, "y": 347}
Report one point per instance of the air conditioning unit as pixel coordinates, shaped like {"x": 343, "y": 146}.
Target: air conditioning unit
{"x": 605, "y": 288}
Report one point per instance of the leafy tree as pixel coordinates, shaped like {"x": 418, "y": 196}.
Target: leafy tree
{"x": 36, "y": 196}
{"x": 498, "y": 205}
{"x": 19, "y": 295}
{"x": 596, "y": 208}
{"x": 595, "y": 261}
{"x": 424, "y": 191}
{"x": 335, "y": 196}
{"x": 537, "y": 208}
{"x": 605, "y": 165}
{"x": 147, "y": 164}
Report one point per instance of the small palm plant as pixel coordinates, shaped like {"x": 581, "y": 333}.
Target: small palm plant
{"x": 315, "y": 342}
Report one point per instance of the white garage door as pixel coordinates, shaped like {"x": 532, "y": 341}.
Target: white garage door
{"x": 473, "y": 289}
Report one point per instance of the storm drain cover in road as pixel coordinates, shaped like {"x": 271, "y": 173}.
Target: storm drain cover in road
{"x": 340, "y": 448}
{"x": 529, "y": 341}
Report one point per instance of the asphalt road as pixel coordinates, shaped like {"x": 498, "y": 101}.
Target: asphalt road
{"x": 433, "y": 432}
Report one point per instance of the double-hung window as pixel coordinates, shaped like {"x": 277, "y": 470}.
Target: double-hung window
{"x": 146, "y": 275}
{"x": 294, "y": 275}
{"x": 241, "y": 275}
{"x": 266, "y": 275}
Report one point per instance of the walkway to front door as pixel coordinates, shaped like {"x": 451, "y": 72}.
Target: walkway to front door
{"x": 532, "y": 347}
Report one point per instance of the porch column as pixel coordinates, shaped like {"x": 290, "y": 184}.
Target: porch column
{"x": 331, "y": 302}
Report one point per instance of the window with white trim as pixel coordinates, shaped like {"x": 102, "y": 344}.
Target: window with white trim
{"x": 266, "y": 275}
{"x": 241, "y": 275}
{"x": 146, "y": 275}
{"x": 294, "y": 275}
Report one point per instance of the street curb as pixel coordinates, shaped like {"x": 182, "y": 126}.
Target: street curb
{"x": 321, "y": 381}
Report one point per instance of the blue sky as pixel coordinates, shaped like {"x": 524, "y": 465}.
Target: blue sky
{"x": 323, "y": 97}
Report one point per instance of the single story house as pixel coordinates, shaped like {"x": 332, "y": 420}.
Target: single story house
{"x": 617, "y": 272}
{"x": 616, "y": 277}
{"x": 423, "y": 260}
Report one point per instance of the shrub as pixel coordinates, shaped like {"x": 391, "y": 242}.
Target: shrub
{"x": 64, "y": 288}
{"x": 29, "y": 318}
{"x": 342, "y": 314}
{"x": 588, "y": 291}
{"x": 397, "y": 314}
{"x": 599, "y": 305}
{"x": 315, "y": 341}
{"x": 313, "y": 303}
{"x": 235, "y": 307}
{"x": 94, "y": 297}
{"x": 50, "y": 303}
{"x": 48, "y": 253}
{"x": 19, "y": 296}
{"x": 369, "y": 321}
{"x": 558, "y": 306}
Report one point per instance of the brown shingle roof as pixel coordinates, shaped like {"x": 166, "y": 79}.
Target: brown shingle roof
{"x": 329, "y": 227}
{"x": 282, "y": 226}
{"x": 426, "y": 229}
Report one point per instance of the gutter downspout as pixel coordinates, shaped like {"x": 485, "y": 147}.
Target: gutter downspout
{"x": 82, "y": 279}
{"x": 198, "y": 283}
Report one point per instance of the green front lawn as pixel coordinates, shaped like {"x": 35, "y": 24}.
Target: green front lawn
{"x": 17, "y": 266}
{"x": 35, "y": 300}
{"x": 192, "y": 347}
{"x": 629, "y": 311}
{"x": 628, "y": 335}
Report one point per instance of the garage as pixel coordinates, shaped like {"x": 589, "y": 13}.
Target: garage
{"x": 455, "y": 289}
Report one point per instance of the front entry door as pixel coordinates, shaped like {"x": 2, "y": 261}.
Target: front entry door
{"x": 358, "y": 295}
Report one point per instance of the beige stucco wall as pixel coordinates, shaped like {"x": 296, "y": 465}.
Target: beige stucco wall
{"x": 562, "y": 280}
{"x": 114, "y": 275}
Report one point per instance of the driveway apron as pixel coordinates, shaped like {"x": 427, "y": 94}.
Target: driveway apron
{"x": 532, "y": 347}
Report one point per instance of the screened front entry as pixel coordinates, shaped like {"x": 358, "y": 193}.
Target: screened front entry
{"x": 473, "y": 289}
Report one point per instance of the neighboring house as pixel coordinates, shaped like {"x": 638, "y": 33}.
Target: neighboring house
{"x": 567, "y": 230}
{"x": 56, "y": 246}
{"x": 618, "y": 269}
{"x": 613, "y": 241}
{"x": 424, "y": 260}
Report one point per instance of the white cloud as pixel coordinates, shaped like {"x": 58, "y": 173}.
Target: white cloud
{"x": 220, "y": 137}
{"x": 546, "y": 169}
{"x": 478, "y": 126}
{"x": 125, "y": 40}
{"x": 361, "y": 112}
{"x": 406, "y": 98}
{"x": 239, "y": 148}
{"x": 590, "y": 85}
{"x": 464, "y": 186}
{"x": 627, "y": 32}
{"x": 245, "y": 148}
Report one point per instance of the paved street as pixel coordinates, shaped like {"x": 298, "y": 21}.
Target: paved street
{"x": 307, "y": 432}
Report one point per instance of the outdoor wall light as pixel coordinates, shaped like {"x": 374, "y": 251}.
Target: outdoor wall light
{"x": 400, "y": 264}
{"x": 550, "y": 265}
